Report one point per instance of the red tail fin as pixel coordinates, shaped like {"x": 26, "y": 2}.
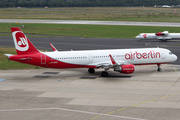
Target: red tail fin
{"x": 22, "y": 44}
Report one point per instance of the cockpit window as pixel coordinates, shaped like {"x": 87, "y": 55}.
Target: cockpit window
{"x": 170, "y": 53}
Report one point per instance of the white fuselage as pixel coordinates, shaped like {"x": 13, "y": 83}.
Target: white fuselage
{"x": 169, "y": 36}
{"x": 121, "y": 56}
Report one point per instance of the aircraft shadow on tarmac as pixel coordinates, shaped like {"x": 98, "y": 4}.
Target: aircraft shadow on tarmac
{"x": 111, "y": 75}
{"x": 117, "y": 76}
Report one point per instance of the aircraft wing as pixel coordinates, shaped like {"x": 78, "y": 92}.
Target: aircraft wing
{"x": 164, "y": 38}
{"x": 110, "y": 64}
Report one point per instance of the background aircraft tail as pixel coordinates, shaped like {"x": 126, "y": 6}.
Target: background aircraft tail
{"x": 22, "y": 44}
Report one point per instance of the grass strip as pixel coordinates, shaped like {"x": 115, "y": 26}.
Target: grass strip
{"x": 6, "y": 64}
{"x": 93, "y": 31}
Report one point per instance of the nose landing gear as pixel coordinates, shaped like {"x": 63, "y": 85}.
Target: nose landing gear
{"x": 159, "y": 69}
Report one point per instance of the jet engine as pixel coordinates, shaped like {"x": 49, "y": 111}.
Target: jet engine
{"x": 159, "y": 34}
{"x": 126, "y": 69}
{"x": 162, "y": 33}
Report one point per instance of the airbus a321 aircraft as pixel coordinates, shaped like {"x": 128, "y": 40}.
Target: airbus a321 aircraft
{"x": 121, "y": 60}
{"x": 159, "y": 36}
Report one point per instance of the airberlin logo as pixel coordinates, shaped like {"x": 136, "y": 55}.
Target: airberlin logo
{"x": 20, "y": 41}
{"x": 144, "y": 55}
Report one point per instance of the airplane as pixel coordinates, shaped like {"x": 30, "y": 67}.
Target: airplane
{"x": 166, "y": 6}
{"x": 121, "y": 60}
{"x": 160, "y": 36}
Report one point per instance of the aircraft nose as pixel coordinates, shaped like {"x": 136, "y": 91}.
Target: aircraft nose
{"x": 137, "y": 37}
{"x": 175, "y": 57}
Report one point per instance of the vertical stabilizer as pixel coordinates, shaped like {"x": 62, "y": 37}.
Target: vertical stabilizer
{"x": 22, "y": 44}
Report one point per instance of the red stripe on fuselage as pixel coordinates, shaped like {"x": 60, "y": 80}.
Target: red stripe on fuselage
{"x": 151, "y": 63}
{"x": 40, "y": 59}
{"x": 46, "y": 61}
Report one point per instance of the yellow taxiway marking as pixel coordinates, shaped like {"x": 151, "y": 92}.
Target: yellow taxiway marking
{"x": 154, "y": 99}
{"x": 95, "y": 117}
{"x": 110, "y": 112}
{"x": 144, "y": 102}
{"x": 122, "y": 109}
{"x": 138, "y": 104}
{"x": 133, "y": 105}
{"x": 164, "y": 96}
{"x": 172, "y": 94}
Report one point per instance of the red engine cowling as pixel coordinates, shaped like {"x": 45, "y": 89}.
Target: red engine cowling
{"x": 126, "y": 69}
{"x": 159, "y": 34}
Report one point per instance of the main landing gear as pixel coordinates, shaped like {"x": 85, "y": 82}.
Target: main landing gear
{"x": 103, "y": 74}
{"x": 159, "y": 69}
{"x": 164, "y": 40}
{"x": 91, "y": 70}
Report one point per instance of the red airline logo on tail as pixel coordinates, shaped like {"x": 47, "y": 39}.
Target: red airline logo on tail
{"x": 145, "y": 35}
{"x": 20, "y": 41}
{"x": 22, "y": 44}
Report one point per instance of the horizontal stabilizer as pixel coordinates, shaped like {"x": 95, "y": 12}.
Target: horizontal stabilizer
{"x": 8, "y": 55}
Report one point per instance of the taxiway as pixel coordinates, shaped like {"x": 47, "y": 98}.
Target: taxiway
{"x": 47, "y": 94}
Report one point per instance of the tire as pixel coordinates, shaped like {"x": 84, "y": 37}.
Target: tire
{"x": 159, "y": 69}
{"x": 104, "y": 74}
{"x": 91, "y": 70}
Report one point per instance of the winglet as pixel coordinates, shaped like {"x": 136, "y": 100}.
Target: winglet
{"x": 54, "y": 49}
{"x": 112, "y": 60}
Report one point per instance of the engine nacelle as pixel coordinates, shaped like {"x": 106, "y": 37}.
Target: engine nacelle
{"x": 159, "y": 34}
{"x": 126, "y": 69}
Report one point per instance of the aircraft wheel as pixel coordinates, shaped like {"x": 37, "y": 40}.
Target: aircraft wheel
{"x": 91, "y": 70}
{"x": 104, "y": 74}
{"x": 159, "y": 69}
